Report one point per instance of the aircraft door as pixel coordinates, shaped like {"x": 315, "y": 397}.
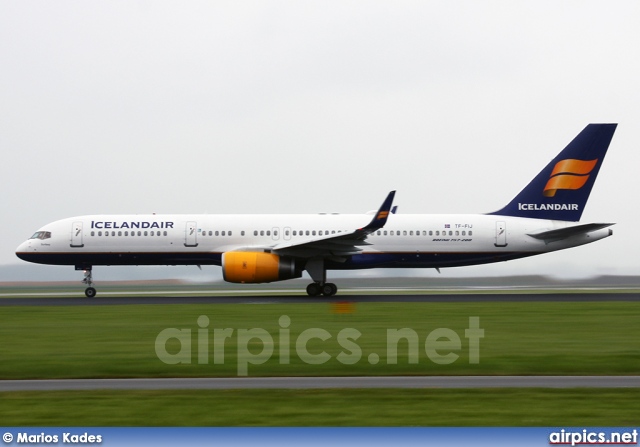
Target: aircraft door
{"x": 76, "y": 235}
{"x": 191, "y": 234}
{"x": 501, "y": 234}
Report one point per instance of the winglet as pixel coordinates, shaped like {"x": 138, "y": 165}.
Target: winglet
{"x": 380, "y": 219}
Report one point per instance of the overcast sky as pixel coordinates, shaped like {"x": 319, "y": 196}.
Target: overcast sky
{"x": 315, "y": 106}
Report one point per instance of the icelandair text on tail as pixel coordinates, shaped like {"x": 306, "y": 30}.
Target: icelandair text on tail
{"x": 547, "y": 206}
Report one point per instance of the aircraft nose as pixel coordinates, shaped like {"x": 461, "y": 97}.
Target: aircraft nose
{"x": 23, "y": 249}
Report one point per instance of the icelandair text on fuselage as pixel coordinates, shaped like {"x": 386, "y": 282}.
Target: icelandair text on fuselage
{"x": 66, "y": 438}
{"x": 547, "y": 206}
{"x": 118, "y": 225}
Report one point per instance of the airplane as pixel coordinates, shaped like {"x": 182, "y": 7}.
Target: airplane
{"x": 542, "y": 218}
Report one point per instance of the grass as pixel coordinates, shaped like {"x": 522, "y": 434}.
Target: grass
{"x": 469, "y": 407}
{"x": 120, "y": 341}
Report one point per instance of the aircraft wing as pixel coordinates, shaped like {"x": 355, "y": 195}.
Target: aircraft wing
{"x": 563, "y": 233}
{"x": 337, "y": 245}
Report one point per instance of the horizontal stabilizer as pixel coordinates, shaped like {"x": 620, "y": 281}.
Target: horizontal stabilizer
{"x": 563, "y": 233}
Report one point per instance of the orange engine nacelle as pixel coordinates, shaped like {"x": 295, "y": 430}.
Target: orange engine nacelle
{"x": 256, "y": 267}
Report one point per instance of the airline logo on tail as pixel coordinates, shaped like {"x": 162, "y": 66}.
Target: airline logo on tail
{"x": 569, "y": 174}
{"x": 382, "y": 215}
{"x": 561, "y": 190}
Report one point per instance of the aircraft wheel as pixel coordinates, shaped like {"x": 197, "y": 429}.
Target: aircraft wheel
{"x": 329, "y": 289}
{"x": 313, "y": 289}
{"x": 90, "y": 292}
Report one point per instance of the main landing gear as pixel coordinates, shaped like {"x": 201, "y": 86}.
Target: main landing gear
{"x": 90, "y": 291}
{"x": 320, "y": 286}
{"x": 326, "y": 289}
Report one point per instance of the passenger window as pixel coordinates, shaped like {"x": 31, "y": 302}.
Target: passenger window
{"x": 119, "y": 233}
{"x": 93, "y": 233}
{"x": 229, "y": 233}
{"x": 242, "y": 233}
{"x": 470, "y": 233}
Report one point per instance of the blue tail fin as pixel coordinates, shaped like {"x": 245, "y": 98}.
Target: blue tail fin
{"x": 560, "y": 191}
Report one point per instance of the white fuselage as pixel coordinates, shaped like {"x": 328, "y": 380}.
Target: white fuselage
{"x": 405, "y": 241}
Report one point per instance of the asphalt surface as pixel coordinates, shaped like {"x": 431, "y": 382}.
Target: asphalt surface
{"x": 325, "y": 383}
{"x": 302, "y": 299}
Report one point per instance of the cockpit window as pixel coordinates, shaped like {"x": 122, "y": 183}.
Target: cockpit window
{"x": 41, "y": 235}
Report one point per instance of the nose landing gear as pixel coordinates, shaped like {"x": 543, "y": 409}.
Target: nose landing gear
{"x": 90, "y": 291}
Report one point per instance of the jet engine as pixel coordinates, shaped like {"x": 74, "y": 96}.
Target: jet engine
{"x": 257, "y": 267}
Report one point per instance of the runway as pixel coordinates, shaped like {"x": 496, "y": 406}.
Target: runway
{"x": 139, "y": 299}
{"x": 309, "y": 383}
